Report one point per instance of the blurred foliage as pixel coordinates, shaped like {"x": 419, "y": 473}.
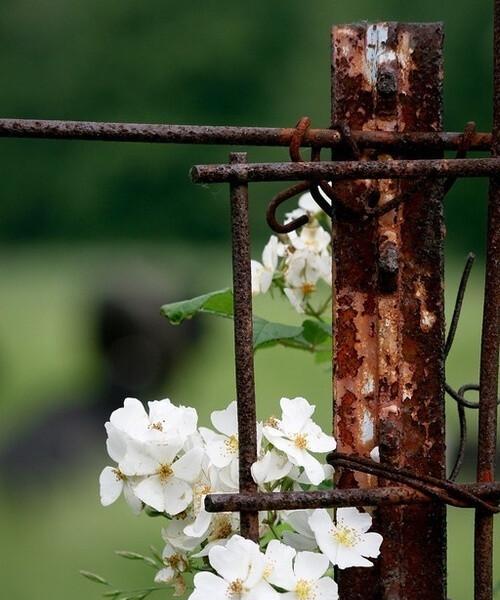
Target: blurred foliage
{"x": 216, "y": 62}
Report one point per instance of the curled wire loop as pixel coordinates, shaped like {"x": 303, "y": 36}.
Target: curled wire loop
{"x": 320, "y": 189}
{"x": 442, "y": 489}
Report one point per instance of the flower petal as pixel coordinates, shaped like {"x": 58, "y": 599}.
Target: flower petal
{"x": 278, "y": 567}
{"x": 326, "y": 589}
{"x": 296, "y": 413}
{"x": 353, "y": 518}
{"x": 370, "y": 544}
{"x": 226, "y": 421}
{"x": 349, "y": 557}
{"x": 310, "y": 565}
{"x": 188, "y": 467}
{"x": 208, "y": 585}
{"x": 111, "y": 486}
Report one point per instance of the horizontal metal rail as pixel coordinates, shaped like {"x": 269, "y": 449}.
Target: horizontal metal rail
{"x": 335, "y": 170}
{"x": 334, "y": 498}
{"x": 240, "y": 136}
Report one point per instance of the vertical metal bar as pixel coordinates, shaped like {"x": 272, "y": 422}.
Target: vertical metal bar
{"x": 388, "y": 309}
{"x": 490, "y": 341}
{"x": 243, "y": 345}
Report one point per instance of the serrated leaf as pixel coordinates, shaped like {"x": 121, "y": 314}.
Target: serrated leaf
{"x": 93, "y": 577}
{"x": 219, "y": 303}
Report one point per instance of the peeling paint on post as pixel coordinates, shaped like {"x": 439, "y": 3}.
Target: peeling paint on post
{"x": 388, "y": 309}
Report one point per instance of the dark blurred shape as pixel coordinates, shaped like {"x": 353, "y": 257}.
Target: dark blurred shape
{"x": 138, "y": 349}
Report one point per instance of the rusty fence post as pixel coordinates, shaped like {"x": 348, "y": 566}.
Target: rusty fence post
{"x": 243, "y": 345}
{"x": 388, "y": 303}
{"x": 488, "y": 383}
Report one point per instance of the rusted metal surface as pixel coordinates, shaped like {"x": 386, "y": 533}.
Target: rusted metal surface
{"x": 243, "y": 346}
{"x": 388, "y": 309}
{"x": 336, "y": 498}
{"x": 490, "y": 341}
{"x": 335, "y": 170}
{"x": 212, "y": 134}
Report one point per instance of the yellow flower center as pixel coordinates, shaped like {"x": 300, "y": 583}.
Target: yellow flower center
{"x": 272, "y": 422}
{"x": 158, "y": 426}
{"x": 119, "y": 475}
{"x": 300, "y": 441}
{"x": 346, "y": 536}
{"x": 200, "y": 489}
{"x": 303, "y": 590}
{"x": 308, "y": 288}
{"x": 222, "y": 528}
{"x": 165, "y": 472}
{"x": 232, "y": 444}
{"x": 236, "y": 587}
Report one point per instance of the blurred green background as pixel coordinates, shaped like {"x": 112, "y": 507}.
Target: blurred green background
{"x": 81, "y": 221}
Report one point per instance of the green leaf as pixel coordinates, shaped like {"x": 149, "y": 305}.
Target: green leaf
{"x": 316, "y": 332}
{"x": 112, "y": 594}
{"x": 267, "y": 333}
{"x": 93, "y": 577}
{"x": 218, "y": 303}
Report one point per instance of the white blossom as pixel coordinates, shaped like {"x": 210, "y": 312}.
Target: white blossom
{"x": 301, "y": 574}
{"x": 297, "y": 435}
{"x": 222, "y": 447}
{"x": 302, "y": 536}
{"x": 303, "y": 271}
{"x": 240, "y": 570}
{"x": 347, "y": 543}
{"x": 164, "y": 422}
{"x": 262, "y": 273}
{"x": 165, "y": 478}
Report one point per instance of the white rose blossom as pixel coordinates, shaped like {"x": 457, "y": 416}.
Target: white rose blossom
{"x": 165, "y": 462}
{"x": 347, "y": 542}
{"x": 297, "y": 436}
{"x": 240, "y": 574}
{"x": 263, "y": 273}
{"x": 304, "y": 579}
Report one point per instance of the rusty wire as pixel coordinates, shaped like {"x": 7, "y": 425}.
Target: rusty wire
{"x": 442, "y": 489}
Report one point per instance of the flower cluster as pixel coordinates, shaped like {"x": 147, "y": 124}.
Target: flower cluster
{"x": 166, "y": 465}
{"x": 295, "y": 263}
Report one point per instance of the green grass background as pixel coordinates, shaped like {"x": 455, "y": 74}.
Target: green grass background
{"x": 53, "y": 531}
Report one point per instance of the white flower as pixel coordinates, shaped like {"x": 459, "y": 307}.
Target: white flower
{"x": 297, "y": 435}
{"x": 347, "y": 542}
{"x": 271, "y": 467}
{"x": 174, "y": 535}
{"x": 112, "y": 482}
{"x": 222, "y": 447}
{"x": 164, "y": 422}
{"x": 240, "y": 567}
{"x": 307, "y": 206}
{"x": 262, "y": 273}
{"x": 207, "y": 483}
{"x": 302, "y": 536}
{"x": 304, "y": 580}
{"x": 175, "y": 564}
{"x": 303, "y": 271}
{"x": 312, "y": 237}
{"x": 164, "y": 478}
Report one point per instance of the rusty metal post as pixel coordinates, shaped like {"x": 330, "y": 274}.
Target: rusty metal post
{"x": 488, "y": 384}
{"x": 243, "y": 346}
{"x": 388, "y": 309}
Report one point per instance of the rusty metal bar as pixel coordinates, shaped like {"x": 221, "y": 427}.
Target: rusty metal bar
{"x": 490, "y": 342}
{"x": 337, "y": 170}
{"x": 334, "y": 498}
{"x": 212, "y": 134}
{"x": 243, "y": 346}
{"x": 388, "y": 305}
